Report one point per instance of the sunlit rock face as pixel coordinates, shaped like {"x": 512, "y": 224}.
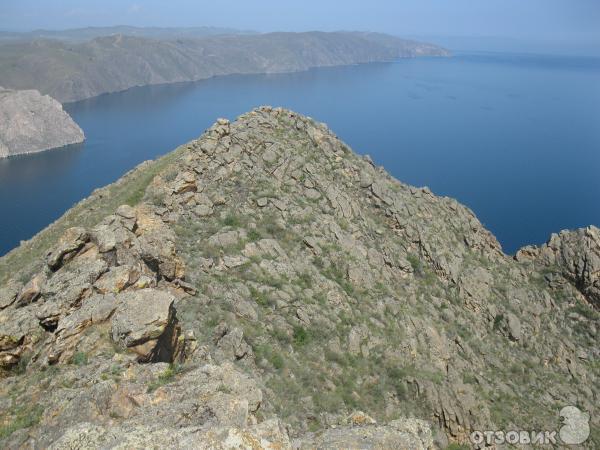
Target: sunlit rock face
{"x": 31, "y": 122}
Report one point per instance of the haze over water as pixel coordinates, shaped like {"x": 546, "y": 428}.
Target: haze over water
{"x": 514, "y": 137}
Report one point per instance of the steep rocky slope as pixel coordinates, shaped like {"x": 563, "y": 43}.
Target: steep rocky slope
{"x": 74, "y": 71}
{"x": 31, "y": 122}
{"x": 263, "y": 285}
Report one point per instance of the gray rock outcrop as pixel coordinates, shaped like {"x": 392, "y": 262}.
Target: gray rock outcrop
{"x": 575, "y": 255}
{"x": 31, "y": 122}
{"x": 145, "y": 322}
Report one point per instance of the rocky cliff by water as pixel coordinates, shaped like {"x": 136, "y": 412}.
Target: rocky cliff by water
{"x": 31, "y": 122}
{"x": 265, "y": 287}
{"x": 73, "y": 71}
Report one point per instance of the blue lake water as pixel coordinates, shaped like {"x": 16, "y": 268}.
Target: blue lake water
{"x": 514, "y": 137}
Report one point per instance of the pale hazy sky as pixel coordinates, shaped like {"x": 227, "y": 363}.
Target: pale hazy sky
{"x": 544, "y": 20}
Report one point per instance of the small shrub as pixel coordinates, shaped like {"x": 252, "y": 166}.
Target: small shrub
{"x": 336, "y": 357}
{"x": 456, "y": 446}
{"x": 328, "y": 401}
{"x": 585, "y": 311}
{"x": 164, "y": 378}
{"x": 224, "y": 388}
{"x": 469, "y": 378}
{"x": 415, "y": 262}
{"x": 266, "y": 351}
{"x": 116, "y": 370}
{"x": 321, "y": 298}
{"x": 304, "y": 281}
{"x": 262, "y": 298}
{"x": 232, "y": 221}
{"x": 498, "y": 321}
{"x": 301, "y": 336}
{"x": 254, "y": 235}
{"x": 281, "y": 335}
{"x": 277, "y": 361}
{"x": 401, "y": 390}
{"x": 79, "y": 359}
{"x": 397, "y": 372}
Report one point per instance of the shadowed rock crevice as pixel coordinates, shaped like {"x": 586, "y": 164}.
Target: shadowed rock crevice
{"x": 169, "y": 344}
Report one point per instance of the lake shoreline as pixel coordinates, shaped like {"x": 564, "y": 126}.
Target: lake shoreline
{"x": 507, "y": 179}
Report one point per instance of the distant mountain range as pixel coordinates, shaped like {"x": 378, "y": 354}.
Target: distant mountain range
{"x": 70, "y": 70}
{"x": 88, "y": 33}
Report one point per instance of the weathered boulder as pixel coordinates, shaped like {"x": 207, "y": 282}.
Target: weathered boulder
{"x": 9, "y": 292}
{"x": 185, "y": 182}
{"x": 230, "y": 343}
{"x": 226, "y": 238}
{"x": 67, "y": 287}
{"x": 94, "y": 310}
{"x": 69, "y": 244}
{"x": 117, "y": 279}
{"x": 31, "y": 291}
{"x": 19, "y": 330}
{"x": 157, "y": 249}
{"x": 145, "y": 322}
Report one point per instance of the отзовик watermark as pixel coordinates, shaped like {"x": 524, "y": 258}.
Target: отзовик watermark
{"x": 575, "y": 430}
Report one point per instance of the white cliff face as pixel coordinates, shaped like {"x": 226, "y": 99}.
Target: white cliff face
{"x": 31, "y": 122}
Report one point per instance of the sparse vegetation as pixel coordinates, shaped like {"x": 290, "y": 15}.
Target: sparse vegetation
{"x": 301, "y": 336}
{"x": 79, "y": 359}
{"x": 24, "y": 417}
{"x": 166, "y": 377}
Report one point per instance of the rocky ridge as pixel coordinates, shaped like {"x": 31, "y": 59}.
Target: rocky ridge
{"x": 31, "y": 122}
{"x": 267, "y": 286}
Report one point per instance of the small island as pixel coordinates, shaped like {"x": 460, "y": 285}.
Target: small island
{"x": 31, "y": 122}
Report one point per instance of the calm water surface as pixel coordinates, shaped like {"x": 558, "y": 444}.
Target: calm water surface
{"x": 514, "y": 137}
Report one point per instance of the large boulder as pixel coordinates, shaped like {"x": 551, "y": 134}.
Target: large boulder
{"x": 9, "y": 292}
{"x": 145, "y": 322}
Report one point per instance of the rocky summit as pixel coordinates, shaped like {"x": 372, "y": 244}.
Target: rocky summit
{"x": 265, "y": 287}
{"x": 31, "y": 122}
